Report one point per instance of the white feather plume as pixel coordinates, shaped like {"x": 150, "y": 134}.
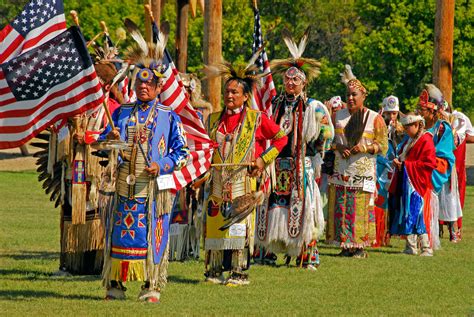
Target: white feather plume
{"x": 435, "y": 93}
{"x": 295, "y": 50}
{"x": 303, "y": 42}
{"x": 347, "y": 75}
{"x": 290, "y": 43}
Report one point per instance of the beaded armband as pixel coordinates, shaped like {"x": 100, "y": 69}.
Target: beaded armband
{"x": 269, "y": 155}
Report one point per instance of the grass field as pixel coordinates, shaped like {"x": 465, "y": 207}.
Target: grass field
{"x": 387, "y": 283}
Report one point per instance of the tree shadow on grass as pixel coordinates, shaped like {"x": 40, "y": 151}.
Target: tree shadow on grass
{"x": 29, "y": 255}
{"x": 182, "y": 280}
{"x": 31, "y": 294}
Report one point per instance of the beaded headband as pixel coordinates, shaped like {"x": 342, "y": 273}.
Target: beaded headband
{"x": 409, "y": 119}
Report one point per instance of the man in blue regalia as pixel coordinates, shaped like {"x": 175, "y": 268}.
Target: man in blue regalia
{"x": 138, "y": 224}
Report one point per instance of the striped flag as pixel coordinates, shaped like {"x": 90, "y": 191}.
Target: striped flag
{"x": 128, "y": 94}
{"x": 49, "y": 83}
{"x": 200, "y": 146}
{"x": 262, "y": 97}
{"x": 39, "y": 22}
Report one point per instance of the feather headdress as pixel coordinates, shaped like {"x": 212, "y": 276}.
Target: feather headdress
{"x": 436, "y": 96}
{"x": 244, "y": 73}
{"x": 308, "y": 68}
{"x": 106, "y": 65}
{"x": 146, "y": 56}
{"x": 350, "y": 80}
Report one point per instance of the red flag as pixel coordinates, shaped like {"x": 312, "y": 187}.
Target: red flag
{"x": 48, "y": 83}
{"x": 40, "y": 21}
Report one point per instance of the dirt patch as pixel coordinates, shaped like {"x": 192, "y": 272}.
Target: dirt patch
{"x": 13, "y": 160}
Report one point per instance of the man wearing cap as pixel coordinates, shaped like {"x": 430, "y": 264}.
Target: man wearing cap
{"x": 390, "y": 111}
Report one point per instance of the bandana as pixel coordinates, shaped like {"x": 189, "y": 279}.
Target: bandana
{"x": 295, "y": 72}
{"x": 424, "y": 101}
{"x": 355, "y": 83}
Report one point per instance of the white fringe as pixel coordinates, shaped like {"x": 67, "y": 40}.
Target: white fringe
{"x": 435, "y": 243}
{"x": 225, "y": 244}
{"x": 449, "y": 201}
{"x": 278, "y": 239}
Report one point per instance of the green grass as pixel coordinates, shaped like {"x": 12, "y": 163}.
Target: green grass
{"x": 387, "y": 283}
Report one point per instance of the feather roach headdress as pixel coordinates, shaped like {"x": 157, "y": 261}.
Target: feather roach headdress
{"x": 247, "y": 74}
{"x": 106, "y": 64}
{"x": 147, "y": 57}
{"x": 305, "y": 68}
{"x": 350, "y": 80}
{"x": 432, "y": 98}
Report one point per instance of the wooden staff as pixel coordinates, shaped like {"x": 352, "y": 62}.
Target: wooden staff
{"x": 232, "y": 164}
{"x": 109, "y": 117}
{"x": 94, "y": 38}
{"x": 107, "y": 111}
{"x": 255, "y": 4}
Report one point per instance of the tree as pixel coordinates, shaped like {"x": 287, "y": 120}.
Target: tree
{"x": 389, "y": 43}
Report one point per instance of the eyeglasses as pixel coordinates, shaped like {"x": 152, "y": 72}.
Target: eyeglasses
{"x": 294, "y": 80}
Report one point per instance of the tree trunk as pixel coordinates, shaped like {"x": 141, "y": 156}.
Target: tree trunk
{"x": 443, "y": 48}
{"x": 182, "y": 35}
{"x": 213, "y": 49}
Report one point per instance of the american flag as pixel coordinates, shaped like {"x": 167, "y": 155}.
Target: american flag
{"x": 174, "y": 95}
{"x": 262, "y": 97}
{"x": 44, "y": 85}
{"x": 40, "y": 21}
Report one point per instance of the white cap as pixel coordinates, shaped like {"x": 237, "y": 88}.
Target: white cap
{"x": 335, "y": 102}
{"x": 390, "y": 104}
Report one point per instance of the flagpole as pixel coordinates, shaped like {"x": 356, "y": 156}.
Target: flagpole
{"x": 74, "y": 17}
{"x": 104, "y": 27}
{"x": 149, "y": 13}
